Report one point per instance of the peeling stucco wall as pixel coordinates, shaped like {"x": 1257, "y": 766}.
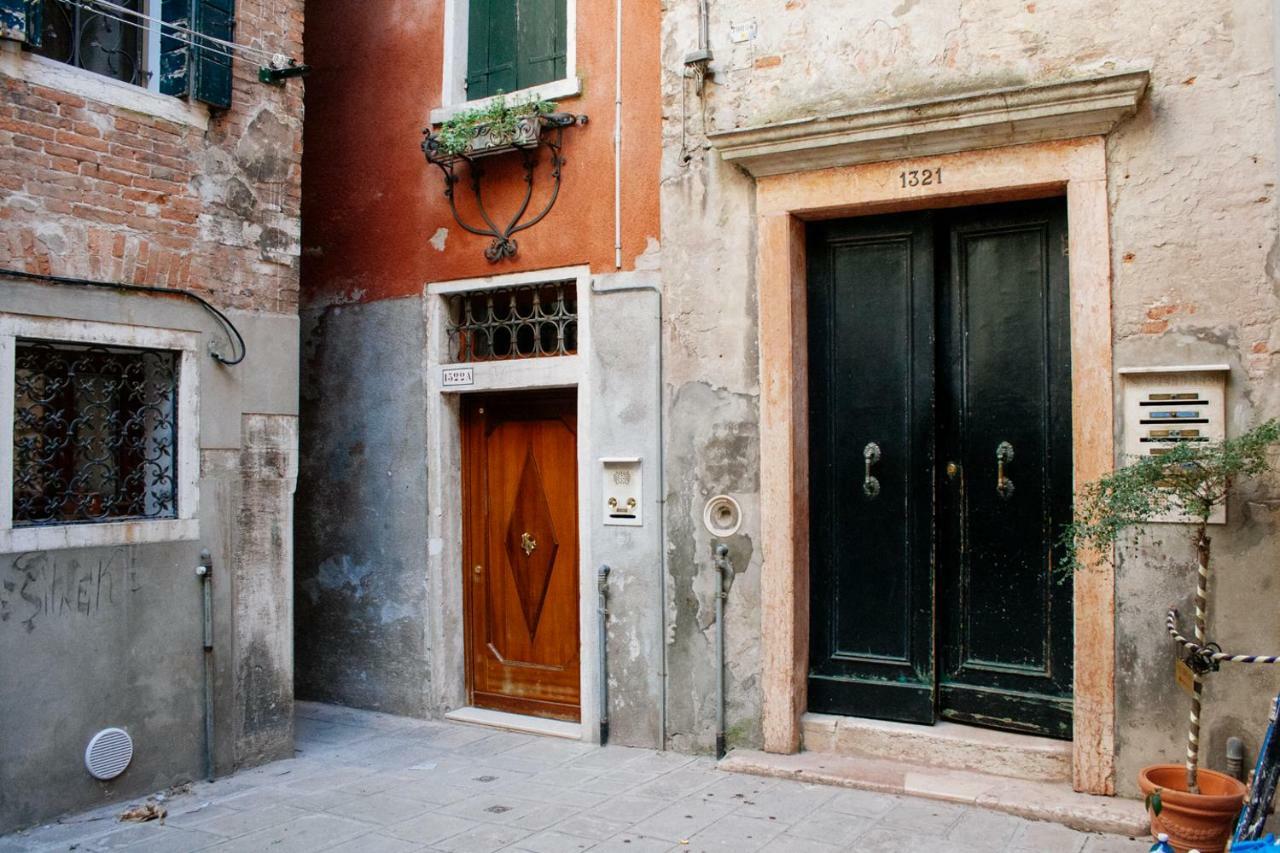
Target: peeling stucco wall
{"x": 112, "y": 636}
{"x": 1194, "y": 236}
{"x": 361, "y": 593}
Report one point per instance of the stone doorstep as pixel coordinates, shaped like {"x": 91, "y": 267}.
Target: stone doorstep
{"x": 516, "y": 723}
{"x": 1049, "y": 801}
{"x": 944, "y": 744}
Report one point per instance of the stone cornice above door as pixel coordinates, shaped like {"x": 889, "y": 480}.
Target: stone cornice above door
{"x": 1090, "y": 106}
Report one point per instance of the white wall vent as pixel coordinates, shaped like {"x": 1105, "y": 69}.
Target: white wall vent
{"x": 108, "y": 753}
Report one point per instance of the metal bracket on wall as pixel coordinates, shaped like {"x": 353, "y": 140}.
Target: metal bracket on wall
{"x": 503, "y": 245}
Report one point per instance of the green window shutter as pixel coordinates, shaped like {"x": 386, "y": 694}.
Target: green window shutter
{"x": 491, "y": 48}
{"x": 175, "y": 56}
{"x": 21, "y": 20}
{"x": 541, "y": 53}
{"x": 211, "y": 66}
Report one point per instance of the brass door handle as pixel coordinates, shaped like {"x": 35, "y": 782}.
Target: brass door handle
{"x": 1004, "y": 455}
{"x": 870, "y": 456}
{"x": 527, "y": 543}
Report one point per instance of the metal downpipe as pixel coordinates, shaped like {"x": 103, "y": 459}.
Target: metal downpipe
{"x": 602, "y": 610}
{"x": 204, "y": 571}
{"x": 723, "y": 566}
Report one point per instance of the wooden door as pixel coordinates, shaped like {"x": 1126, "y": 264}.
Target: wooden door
{"x": 939, "y": 345}
{"x": 520, "y": 555}
{"x": 871, "y": 618}
{"x": 1005, "y": 353}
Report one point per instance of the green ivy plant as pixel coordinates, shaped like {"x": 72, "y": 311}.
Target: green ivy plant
{"x": 502, "y": 119}
{"x": 1188, "y": 478}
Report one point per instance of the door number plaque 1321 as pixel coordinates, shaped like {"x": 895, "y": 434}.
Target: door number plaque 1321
{"x": 921, "y": 177}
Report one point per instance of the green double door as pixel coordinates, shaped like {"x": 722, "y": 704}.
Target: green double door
{"x": 940, "y": 467}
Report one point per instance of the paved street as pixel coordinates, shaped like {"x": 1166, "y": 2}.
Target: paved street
{"x": 379, "y": 784}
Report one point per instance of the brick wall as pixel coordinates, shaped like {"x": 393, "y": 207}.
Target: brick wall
{"x": 95, "y": 190}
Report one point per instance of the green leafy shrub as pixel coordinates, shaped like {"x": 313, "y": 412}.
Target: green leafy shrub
{"x": 500, "y": 118}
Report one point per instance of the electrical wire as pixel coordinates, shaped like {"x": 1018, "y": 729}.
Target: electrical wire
{"x": 101, "y": 7}
{"x": 233, "y": 334}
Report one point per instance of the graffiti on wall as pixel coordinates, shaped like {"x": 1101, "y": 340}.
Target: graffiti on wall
{"x": 39, "y": 586}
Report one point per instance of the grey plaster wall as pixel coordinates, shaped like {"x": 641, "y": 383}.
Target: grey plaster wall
{"x": 111, "y": 636}
{"x": 1194, "y": 236}
{"x": 625, "y": 335}
{"x": 362, "y": 605}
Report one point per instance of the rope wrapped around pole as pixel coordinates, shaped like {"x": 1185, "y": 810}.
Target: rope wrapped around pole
{"x": 1206, "y": 652}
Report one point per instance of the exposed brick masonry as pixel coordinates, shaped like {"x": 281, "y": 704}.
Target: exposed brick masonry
{"x": 88, "y": 189}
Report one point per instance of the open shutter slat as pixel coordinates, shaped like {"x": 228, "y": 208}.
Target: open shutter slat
{"x": 541, "y": 42}
{"x": 491, "y": 48}
{"x": 212, "y": 71}
{"x": 175, "y": 54}
{"x": 21, "y": 20}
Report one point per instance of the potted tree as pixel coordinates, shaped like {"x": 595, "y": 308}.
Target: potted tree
{"x": 1194, "y": 806}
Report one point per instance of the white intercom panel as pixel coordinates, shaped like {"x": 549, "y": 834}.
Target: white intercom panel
{"x": 623, "y": 492}
{"x": 1165, "y": 406}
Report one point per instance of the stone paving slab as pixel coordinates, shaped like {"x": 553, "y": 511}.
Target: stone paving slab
{"x": 365, "y": 782}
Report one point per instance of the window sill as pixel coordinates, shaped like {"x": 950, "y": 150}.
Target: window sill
{"x": 58, "y": 537}
{"x": 42, "y": 71}
{"x": 553, "y": 91}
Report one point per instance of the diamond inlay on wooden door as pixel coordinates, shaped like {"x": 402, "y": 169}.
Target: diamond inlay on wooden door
{"x": 531, "y": 542}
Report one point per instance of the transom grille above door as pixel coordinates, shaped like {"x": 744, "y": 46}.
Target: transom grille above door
{"x": 528, "y": 321}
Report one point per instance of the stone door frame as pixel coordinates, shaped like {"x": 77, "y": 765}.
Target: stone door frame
{"x": 1074, "y": 168}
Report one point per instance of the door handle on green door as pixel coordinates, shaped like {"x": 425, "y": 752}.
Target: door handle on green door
{"x": 1004, "y": 454}
{"x": 870, "y": 455}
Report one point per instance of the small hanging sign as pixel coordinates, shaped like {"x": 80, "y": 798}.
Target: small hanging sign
{"x": 1184, "y": 676}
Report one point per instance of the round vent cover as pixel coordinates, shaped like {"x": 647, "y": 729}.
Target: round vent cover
{"x": 108, "y": 753}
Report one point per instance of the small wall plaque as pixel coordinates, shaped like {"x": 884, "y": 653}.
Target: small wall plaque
{"x": 454, "y": 377}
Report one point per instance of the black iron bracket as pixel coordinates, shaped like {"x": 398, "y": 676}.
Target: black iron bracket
{"x": 503, "y": 244}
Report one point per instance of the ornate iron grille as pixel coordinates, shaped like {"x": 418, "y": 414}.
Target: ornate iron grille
{"x": 95, "y": 41}
{"x": 94, "y": 435}
{"x": 533, "y": 321}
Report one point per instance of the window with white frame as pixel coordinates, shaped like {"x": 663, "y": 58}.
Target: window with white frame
{"x": 94, "y": 433}
{"x": 171, "y": 47}
{"x": 107, "y": 42}
{"x": 497, "y": 47}
{"x": 98, "y": 433}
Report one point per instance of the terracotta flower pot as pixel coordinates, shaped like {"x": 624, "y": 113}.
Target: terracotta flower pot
{"x": 1201, "y": 821}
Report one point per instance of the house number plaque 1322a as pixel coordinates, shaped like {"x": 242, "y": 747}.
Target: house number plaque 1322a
{"x": 921, "y": 177}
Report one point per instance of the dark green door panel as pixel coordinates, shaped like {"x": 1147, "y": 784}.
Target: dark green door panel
{"x": 871, "y": 381}
{"x": 1005, "y": 352}
{"x": 938, "y": 336}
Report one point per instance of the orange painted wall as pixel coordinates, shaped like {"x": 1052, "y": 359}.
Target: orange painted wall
{"x": 371, "y": 203}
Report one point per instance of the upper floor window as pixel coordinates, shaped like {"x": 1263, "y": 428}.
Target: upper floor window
{"x": 110, "y": 43}
{"x": 514, "y": 44}
{"x": 172, "y": 47}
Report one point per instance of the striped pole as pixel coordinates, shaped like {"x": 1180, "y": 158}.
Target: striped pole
{"x": 1197, "y": 683}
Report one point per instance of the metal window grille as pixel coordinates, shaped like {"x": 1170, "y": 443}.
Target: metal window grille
{"x": 96, "y": 41}
{"x": 95, "y": 433}
{"x": 532, "y": 321}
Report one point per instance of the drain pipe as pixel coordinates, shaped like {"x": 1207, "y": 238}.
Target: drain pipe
{"x": 1235, "y": 758}
{"x": 723, "y": 567}
{"x": 656, "y": 290}
{"x": 602, "y": 609}
{"x": 617, "y": 135}
{"x": 204, "y": 571}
